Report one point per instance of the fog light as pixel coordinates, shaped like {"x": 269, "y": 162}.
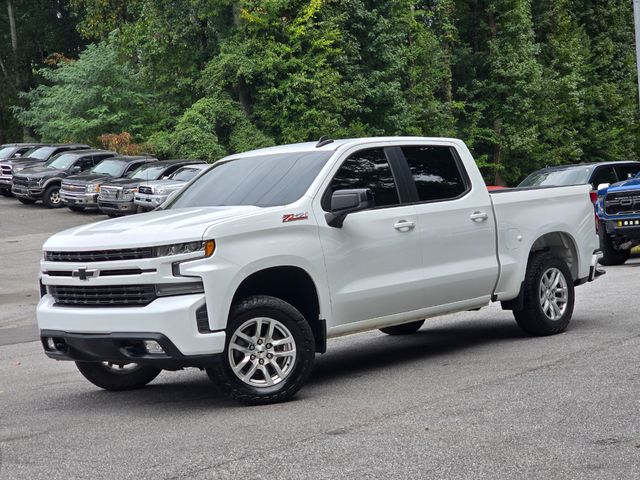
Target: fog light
{"x": 152, "y": 346}
{"x": 51, "y": 344}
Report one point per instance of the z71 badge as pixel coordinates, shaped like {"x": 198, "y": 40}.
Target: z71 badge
{"x": 292, "y": 217}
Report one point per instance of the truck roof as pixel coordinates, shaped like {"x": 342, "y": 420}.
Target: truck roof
{"x": 335, "y": 144}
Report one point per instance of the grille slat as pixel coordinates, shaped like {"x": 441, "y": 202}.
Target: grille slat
{"x": 622, "y": 203}
{"x": 107, "y": 296}
{"x": 145, "y": 190}
{"x": 101, "y": 255}
{"x": 20, "y": 181}
{"x": 6, "y": 169}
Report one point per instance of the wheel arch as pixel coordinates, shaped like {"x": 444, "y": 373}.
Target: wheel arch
{"x": 293, "y": 285}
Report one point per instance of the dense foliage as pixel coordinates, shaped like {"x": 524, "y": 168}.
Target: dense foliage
{"x": 525, "y": 83}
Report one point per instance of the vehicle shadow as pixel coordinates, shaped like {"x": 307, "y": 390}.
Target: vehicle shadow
{"x": 428, "y": 343}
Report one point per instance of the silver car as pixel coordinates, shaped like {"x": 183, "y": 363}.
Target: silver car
{"x": 153, "y": 193}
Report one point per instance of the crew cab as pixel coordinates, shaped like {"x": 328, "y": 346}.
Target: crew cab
{"x": 152, "y": 194}
{"x": 116, "y": 197}
{"x": 619, "y": 214}
{"x": 81, "y": 191}
{"x": 8, "y": 152}
{"x": 35, "y": 156}
{"x": 249, "y": 270}
{"x": 43, "y": 182}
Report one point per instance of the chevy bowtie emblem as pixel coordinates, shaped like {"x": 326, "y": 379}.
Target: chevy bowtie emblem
{"x": 83, "y": 274}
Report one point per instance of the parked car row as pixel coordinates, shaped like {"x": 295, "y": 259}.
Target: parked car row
{"x": 80, "y": 178}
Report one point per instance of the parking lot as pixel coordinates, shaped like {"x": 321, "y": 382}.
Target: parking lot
{"x": 468, "y": 396}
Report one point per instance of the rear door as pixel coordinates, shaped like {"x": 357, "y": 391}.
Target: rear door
{"x": 373, "y": 263}
{"x": 456, "y": 225}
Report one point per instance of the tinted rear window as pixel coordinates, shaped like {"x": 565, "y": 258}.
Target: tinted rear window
{"x": 560, "y": 177}
{"x": 262, "y": 180}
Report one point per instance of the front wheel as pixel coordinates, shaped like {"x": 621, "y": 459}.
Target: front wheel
{"x": 548, "y": 296}
{"x": 611, "y": 255}
{"x": 269, "y": 352}
{"x": 404, "y": 329}
{"x": 117, "y": 376}
{"x": 51, "y": 197}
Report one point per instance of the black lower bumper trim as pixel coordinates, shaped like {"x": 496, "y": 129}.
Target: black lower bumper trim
{"x": 120, "y": 348}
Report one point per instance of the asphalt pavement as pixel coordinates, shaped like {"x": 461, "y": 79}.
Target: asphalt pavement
{"x": 468, "y": 396}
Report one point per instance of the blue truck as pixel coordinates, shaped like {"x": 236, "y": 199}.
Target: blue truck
{"x": 618, "y": 210}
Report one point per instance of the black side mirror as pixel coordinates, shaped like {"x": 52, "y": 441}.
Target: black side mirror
{"x": 76, "y": 169}
{"x": 344, "y": 202}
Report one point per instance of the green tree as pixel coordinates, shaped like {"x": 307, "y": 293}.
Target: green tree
{"x": 99, "y": 93}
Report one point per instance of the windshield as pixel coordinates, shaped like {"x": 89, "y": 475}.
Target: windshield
{"x": 41, "y": 153}
{"x": 184, "y": 174}
{"x": 262, "y": 180}
{"x": 148, "y": 172}
{"x": 62, "y": 161}
{"x": 560, "y": 177}
{"x": 113, "y": 168}
{"x": 7, "y": 152}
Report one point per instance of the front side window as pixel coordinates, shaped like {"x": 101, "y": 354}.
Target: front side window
{"x": 62, "y": 161}
{"x": 41, "y": 153}
{"x": 113, "y": 168}
{"x": 604, "y": 175}
{"x": 184, "y": 174}
{"x": 368, "y": 169}
{"x": 435, "y": 172}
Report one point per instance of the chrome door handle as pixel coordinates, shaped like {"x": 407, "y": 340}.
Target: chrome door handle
{"x": 404, "y": 225}
{"x": 478, "y": 216}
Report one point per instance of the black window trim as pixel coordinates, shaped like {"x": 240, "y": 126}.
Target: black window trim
{"x": 456, "y": 157}
{"x": 395, "y": 166}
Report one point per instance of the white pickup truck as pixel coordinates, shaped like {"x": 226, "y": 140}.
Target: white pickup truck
{"x": 249, "y": 270}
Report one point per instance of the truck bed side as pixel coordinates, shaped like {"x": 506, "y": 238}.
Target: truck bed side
{"x": 559, "y": 219}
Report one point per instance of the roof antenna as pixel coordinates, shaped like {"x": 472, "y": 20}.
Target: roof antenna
{"x": 323, "y": 141}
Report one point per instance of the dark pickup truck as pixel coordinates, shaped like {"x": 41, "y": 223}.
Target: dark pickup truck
{"x": 81, "y": 191}
{"x": 116, "y": 197}
{"x": 42, "y": 182}
{"x": 29, "y": 155}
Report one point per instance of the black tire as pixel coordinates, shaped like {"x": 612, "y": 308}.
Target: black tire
{"x": 404, "y": 329}
{"x": 26, "y": 201}
{"x": 75, "y": 208}
{"x": 6, "y": 193}
{"x": 112, "y": 215}
{"x": 611, "y": 255}
{"x": 271, "y": 308}
{"x": 51, "y": 197}
{"x": 532, "y": 318}
{"x": 109, "y": 378}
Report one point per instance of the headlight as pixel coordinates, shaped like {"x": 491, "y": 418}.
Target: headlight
{"x": 18, "y": 169}
{"x": 206, "y": 248}
{"x": 161, "y": 191}
{"x": 93, "y": 188}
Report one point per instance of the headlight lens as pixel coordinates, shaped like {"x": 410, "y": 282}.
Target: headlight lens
{"x": 206, "y": 248}
{"x": 161, "y": 191}
{"x": 93, "y": 188}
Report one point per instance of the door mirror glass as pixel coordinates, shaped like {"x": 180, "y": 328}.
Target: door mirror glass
{"x": 344, "y": 202}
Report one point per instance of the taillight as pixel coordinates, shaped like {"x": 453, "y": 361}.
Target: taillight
{"x": 593, "y": 194}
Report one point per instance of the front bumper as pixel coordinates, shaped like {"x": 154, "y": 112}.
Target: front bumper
{"x": 121, "y": 207}
{"x": 89, "y": 200}
{"x": 120, "y": 348}
{"x": 173, "y": 317}
{"x": 33, "y": 193}
{"x": 149, "y": 201}
{"x": 629, "y": 228}
{"x": 5, "y": 182}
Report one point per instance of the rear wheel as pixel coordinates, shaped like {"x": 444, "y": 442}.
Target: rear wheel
{"x": 51, "y": 197}
{"x": 75, "y": 208}
{"x": 548, "y": 296}
{"x": 404, "y": 329}
{"x": 26, "y": 201}
{"x": 269, "y": 352}
{"x": 610, "y": 254}
{"x": 117, "y": 376}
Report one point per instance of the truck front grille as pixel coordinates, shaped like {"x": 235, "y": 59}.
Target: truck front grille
{"x": 106, "y": 296}
{"x": 101, "y": 255}
{"x": 73, "y": 187}
{"x": 22, "y": 181}
{"x": 622, "y": 203}
{"x": 5, "y": 169}
{"x": 108, "y": 193}
{"x": 145, "y": 190}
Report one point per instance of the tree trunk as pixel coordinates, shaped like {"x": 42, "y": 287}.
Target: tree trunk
{"x": 14, "y": 41}
{"x": 243, "y": 91}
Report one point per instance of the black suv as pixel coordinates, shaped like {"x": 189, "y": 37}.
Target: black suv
{"x": 582, "y": 173}
{"x": 31, "y": 157}
{"x": 116, "y": 197}
{"x": 81, "y": 191}
{"x": 42, "y": 182}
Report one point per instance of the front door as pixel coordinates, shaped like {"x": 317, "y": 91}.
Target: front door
{"x": 373, "y": 263}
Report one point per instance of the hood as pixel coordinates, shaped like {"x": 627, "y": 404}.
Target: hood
{"x": 631, "y": 184}
{"x": 40, "y": 171}
{"x": 23, "y": 162}
{"x": 124, "y": 182}
{"x": 147, "y": 229}
{"x": 85, "y": 178}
